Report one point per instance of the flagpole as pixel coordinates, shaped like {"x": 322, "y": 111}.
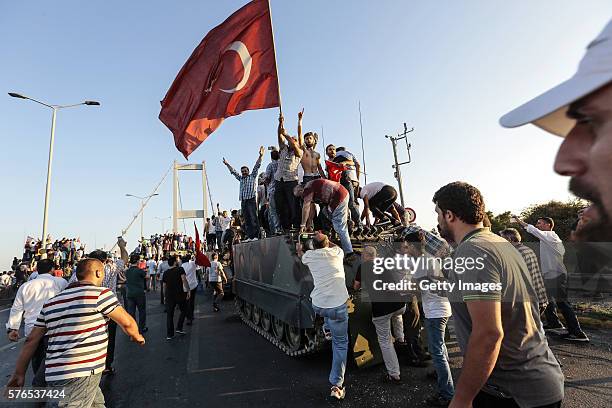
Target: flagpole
{"x": 365, "y": 176}
{"x": 280, "y": 103}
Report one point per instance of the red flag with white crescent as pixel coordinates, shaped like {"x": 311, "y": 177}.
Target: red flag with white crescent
{"x": 232, "y": 70}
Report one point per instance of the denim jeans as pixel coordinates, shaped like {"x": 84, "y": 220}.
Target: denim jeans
{"x": 81, "y": 392}
{"x": 354, "y": 211}
{"x": 336, "y": 320}
{"x": 339, "y": 220}
{"x": 273, "y": 220}
{"x": 139, "y": 302}
{"x": 383, "y": 326}
{"x": 219, "y": 235}
{"x": 439, "y": 355}
{"x": 249, "y": 212}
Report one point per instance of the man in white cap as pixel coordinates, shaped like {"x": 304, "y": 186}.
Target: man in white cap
{"x": 580, "y": 110}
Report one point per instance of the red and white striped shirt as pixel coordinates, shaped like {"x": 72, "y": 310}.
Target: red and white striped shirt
{"x": 75, "y": 322}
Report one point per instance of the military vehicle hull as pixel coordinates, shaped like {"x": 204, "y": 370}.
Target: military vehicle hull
{"x": 272, "y": 289}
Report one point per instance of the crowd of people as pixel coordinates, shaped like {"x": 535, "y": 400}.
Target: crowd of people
{"x": 279, "y": 200}
{"x": 507, "y": 361}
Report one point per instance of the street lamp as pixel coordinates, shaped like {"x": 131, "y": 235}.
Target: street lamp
{"x": 55, "y": 108}
{"x": 163, "y": 221}
{"x": 141, "y": 210}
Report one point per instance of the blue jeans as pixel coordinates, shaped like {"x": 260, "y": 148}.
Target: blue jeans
{"x": 339, "y": 220}
{"x": 336, "y": 320}
{"x": 275, "y": 225}
{"x": 249, "y": 212}
{"x": 439, "y": 355}
{"x": 354, "y": 211}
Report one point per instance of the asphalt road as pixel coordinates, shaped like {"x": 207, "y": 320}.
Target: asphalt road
{"x": 222, "y": 363}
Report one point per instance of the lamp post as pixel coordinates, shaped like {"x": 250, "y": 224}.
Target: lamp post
{"x": 163, "y": 221}
{"x": 142, "y": 203}
{"x": 55, "y": 108}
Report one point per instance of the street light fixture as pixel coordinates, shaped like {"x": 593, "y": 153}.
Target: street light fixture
{"x": 55, "y": 108}
{"x": 142, "y": 210}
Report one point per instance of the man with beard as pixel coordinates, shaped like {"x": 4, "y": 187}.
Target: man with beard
{"x": 310, "y": 162}
{"x": 286, "y": 177}
{"x": 579, "y": 110}
{"x": 507, "y": 361}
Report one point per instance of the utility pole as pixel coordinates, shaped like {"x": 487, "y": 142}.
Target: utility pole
{"x": 396, "y": 166}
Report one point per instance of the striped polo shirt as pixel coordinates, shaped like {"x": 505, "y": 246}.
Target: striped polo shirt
{"x": 75, "y": 322}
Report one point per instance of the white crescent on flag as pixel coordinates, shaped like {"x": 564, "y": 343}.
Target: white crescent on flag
{"x": 246, "y": 59}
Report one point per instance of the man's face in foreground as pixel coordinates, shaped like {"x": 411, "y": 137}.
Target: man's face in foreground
{"x": 309, "y": 140}
{"x": 586, "y": 156}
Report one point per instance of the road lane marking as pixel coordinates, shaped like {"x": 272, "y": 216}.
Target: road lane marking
{"x": 227, "y": 394}
{"x": 193, "y": 357}
{"x": 12, "y": 344}
{"x": 203, "y": 370}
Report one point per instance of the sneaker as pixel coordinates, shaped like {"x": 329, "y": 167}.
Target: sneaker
{"x": 144, "y": 330}
{"x": 437, "y": 401}
{"x": 580, "y": 337}
{"x": 393, "y": 380}
{"x": 181, "y": 331}
{"x": 327, "y": 333}
{"x": 169, "y": 337}
{"x": 216, "y": 309}
{"x": 337, "y": 392}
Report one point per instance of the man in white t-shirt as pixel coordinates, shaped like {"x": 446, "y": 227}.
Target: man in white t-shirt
{"x": 437, "y": 310}
{"x": 329, "y": 297}
{"x": 161, "y": 268}
{"x": 555, "y": 280}
{"x": 378, "y": 198}
{"x": 216, "y": 279}
{"x": 190, "y": 266}
{"x": 152, "y": 270}
{"x": 226, "y": 222}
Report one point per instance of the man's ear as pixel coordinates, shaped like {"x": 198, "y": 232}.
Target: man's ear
{"x": 450, "y": 216}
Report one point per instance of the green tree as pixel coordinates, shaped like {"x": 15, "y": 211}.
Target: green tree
{"x": 564, "y": 214}
{"x": 500, "y": 221}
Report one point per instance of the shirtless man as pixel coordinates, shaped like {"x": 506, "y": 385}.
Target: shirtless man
{"x": 311, "y": 162}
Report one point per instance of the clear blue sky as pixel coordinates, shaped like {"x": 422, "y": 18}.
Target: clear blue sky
{"x": 447, "y": 69}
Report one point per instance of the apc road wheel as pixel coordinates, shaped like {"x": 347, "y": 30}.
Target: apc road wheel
{"x": 266, "y": 321}
{"x": 278, "y": 328}
{"x": 248, "y": 310}
{"x": 256, "y": 317}
{"x": 293, "y": 338}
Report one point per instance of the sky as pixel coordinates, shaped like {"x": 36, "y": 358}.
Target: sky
{"x": 447, "y": 69}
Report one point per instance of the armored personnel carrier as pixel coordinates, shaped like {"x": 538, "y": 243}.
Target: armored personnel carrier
{"x": 272, "y": 289}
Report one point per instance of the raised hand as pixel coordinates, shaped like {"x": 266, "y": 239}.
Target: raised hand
{"x": 261, "y": 150}
{"x": 301, "y": 114}
{"x": 226, "y": 163}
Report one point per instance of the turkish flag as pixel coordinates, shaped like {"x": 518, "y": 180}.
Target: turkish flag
{"x": 334, "y": 170}
{"x": 232, "y": 70}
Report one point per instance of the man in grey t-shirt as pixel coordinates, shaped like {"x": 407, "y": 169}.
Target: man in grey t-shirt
{"x": 507, "y": 361}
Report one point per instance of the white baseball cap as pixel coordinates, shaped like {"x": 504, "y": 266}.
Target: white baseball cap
{"x": 548, "y": 111}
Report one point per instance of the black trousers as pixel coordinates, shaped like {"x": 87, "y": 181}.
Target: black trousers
{"x": 110, "y": 349}
{"x": 171, "y": 305}
{"x": 556, "y": 290}
{"x": 381, "y": 202}
{"x": 484, "y": 400}
{"x": 191, "y": 304}
{"x": 286, "y": 204}
{"x": 38, "y": 364}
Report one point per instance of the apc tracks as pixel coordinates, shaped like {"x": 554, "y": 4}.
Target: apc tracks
{"x": 291, "y": 340}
